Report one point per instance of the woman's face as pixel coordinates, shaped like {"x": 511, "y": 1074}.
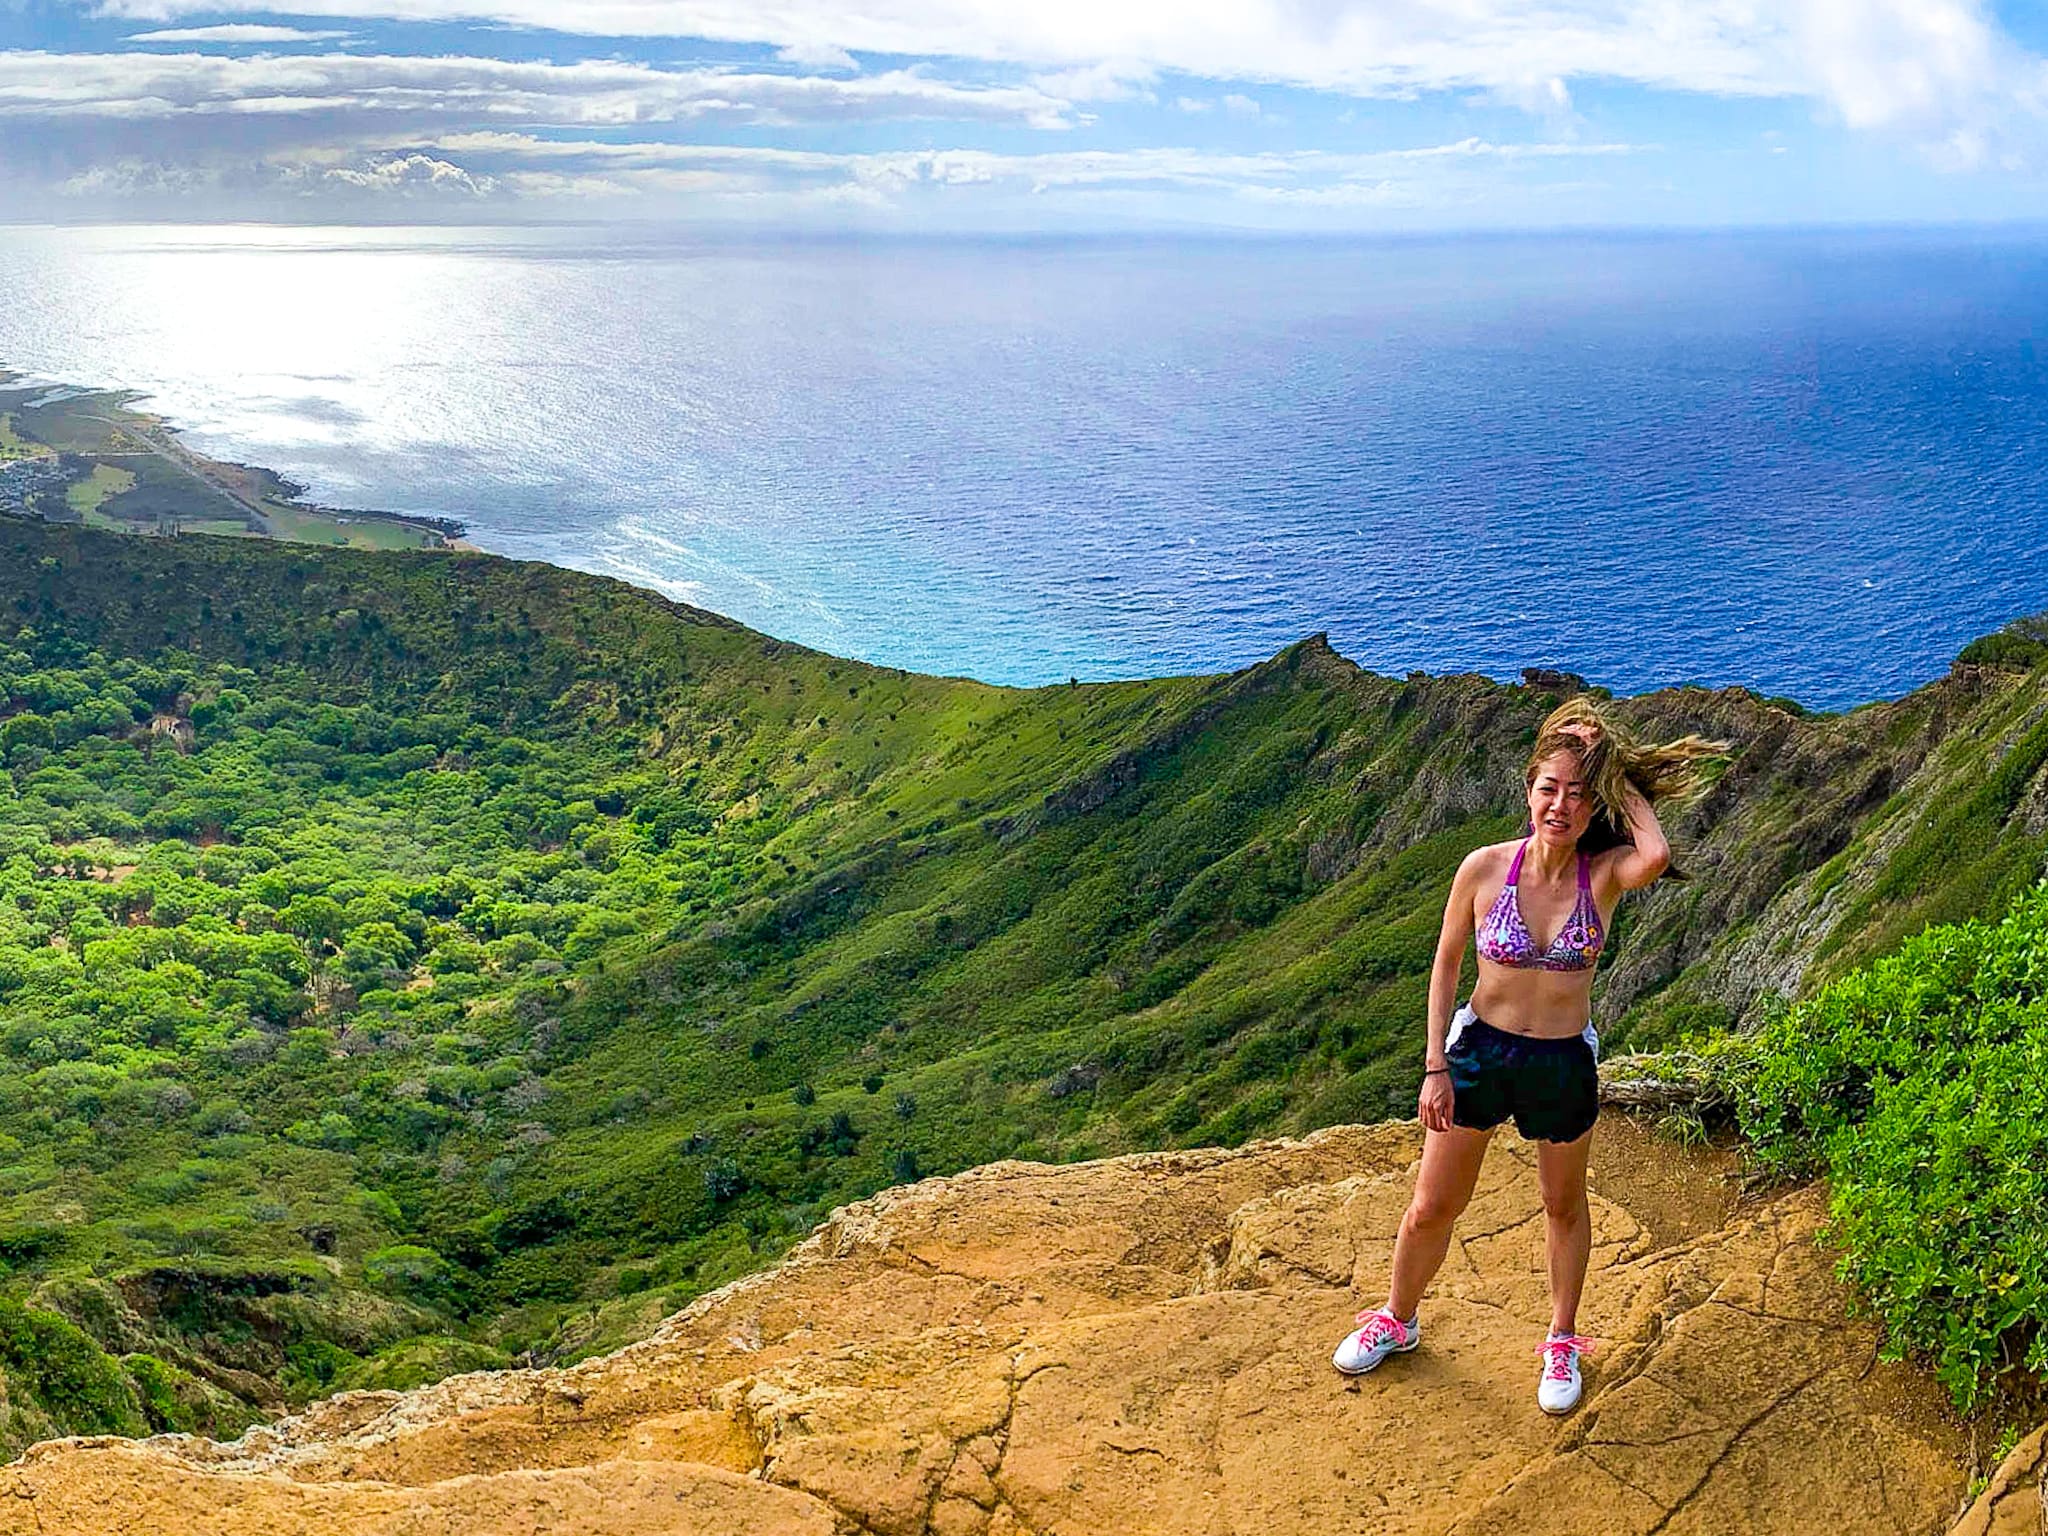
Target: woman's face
{"x": 1560, "y": 801}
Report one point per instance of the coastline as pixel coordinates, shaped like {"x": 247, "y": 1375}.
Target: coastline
{"x": 69, "y": 454}
{"x": 91, "y": 457}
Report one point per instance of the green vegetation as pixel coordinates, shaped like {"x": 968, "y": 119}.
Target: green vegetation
{"x": 2023, "y": 644}
{"x": 13, "y": 446}
{"x": 1919, "y": 1086}
{"x": 454, "y": 971}
{"x": 410, "y": 962}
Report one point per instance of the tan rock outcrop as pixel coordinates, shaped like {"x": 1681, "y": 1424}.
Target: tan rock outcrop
{"x": 2015, "y": 1503}
{"x": 1139, "y": 1345}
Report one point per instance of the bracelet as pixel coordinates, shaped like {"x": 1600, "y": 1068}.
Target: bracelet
{"x": 1432, "y": 1071}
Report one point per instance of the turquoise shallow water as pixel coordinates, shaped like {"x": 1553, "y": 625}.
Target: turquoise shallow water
{"x": 1811, "y": 463}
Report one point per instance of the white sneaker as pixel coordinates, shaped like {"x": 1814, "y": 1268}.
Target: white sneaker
{"x": 1383, "y": 1334}
{"x": 1557, "y": 1389}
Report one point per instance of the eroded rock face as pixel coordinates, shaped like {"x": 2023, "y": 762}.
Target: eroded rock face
{"x": 1139, "y": 1345}
{"x": 2015, "y": 1503}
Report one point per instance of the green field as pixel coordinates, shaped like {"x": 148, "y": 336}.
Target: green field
{"x": 310, "y": 525}
{"x": 88, "y": 495}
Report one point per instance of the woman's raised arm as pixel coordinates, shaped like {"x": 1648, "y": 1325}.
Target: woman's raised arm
{"x": 1636, "y": 866}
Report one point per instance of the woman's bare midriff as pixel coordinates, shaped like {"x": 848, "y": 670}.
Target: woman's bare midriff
{"x": 1548, "y": 1005}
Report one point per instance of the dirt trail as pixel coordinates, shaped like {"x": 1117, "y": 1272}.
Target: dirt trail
{"x": 1136, "y": 1346}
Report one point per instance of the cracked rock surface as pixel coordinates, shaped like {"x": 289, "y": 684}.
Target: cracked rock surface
{"x": 1138, "y": 1345}
{"x": 2015, "y": 1503}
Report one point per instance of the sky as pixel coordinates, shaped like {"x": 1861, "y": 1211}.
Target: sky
{"x": 1022, "y": 115}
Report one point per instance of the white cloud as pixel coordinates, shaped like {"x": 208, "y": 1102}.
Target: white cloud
{"x": 506, "y": 170}
{"x": 1940, "y": 74}
{"x": 530, "y": 147}
{"x": 1867, "y": 58}
{"x": 1114, "y": 80}
{"x": 409, "y": 174}
{"x": 819, "y": 56}
{"x": 1343, "y": 194}
{"x": 1470, "y": 149}
{"x": 761, "y": 167}
{"x": 128, "y": 178}
{"x": 1540, "y": 96}
{"x": 148, "y": 85}
{"x": 1880, "y": 61}
{"x": 1937, "y": 71}
{"x": 236, "y": 32}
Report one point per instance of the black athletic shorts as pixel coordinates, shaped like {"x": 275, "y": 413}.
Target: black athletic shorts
{"x": 1551, "y": 1087}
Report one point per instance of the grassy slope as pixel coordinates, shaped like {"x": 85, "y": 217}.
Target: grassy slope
{"x": 978, "y": 922}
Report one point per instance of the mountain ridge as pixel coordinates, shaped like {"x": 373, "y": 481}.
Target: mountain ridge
{"x": 491, "y": 958}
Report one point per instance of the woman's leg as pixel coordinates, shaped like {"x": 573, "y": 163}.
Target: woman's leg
{"x": 1568, "y": 1225}
{"x": 1450, "y": 1168}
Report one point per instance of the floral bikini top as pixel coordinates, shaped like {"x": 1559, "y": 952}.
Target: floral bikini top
{"x": 1505, "y": 939}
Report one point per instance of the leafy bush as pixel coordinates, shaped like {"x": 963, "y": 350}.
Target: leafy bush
{"x": 407, "y": 1269}
{"x": 1919, "y": 1085}
{"x": 724, "y": 1179}
{"x": 311, "y": 1366}
{"x": 176, "y": 1401}
{"x": 2020, "y": 645}
{"x": 416, "y": 1362}
{"x": 53, "y": 1365}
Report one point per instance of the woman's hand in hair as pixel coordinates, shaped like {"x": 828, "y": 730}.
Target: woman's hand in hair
{"x": 1433, "y": 1106}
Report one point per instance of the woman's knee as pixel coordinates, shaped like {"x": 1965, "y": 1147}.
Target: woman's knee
{"x": 1567, "y": 1203}
{"x": 1431, "y": 1208}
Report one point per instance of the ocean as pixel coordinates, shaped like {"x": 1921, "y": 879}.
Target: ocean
{"x": 1813, "y": 463}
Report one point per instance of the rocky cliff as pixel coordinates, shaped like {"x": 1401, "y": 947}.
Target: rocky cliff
{"x": 1140, "y": 1345}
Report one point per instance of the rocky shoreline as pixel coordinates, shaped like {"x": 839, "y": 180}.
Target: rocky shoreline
{"x": 74, "y": 455}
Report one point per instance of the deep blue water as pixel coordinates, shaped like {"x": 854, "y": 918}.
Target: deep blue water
{"x": 1811, "y": 463}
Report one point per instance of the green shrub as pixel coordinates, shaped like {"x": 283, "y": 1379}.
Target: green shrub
{"x": 2021, "y": 645}
{"x": 56, "y": 1366}
{"x": 554, "y": 1273}
{"x": 177, "y": 1402}
{"x": 724, "y": 1179}
{"x": 417, "y": 1362}
{"x": 311, "y": 1366}
{"x": 1919, "y": 1085}
{"x": 411, "y": 1271}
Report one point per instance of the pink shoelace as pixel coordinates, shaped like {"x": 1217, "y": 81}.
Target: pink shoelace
{"x": 1557, "y": 1352}
{"x": 1380, "y": 1324}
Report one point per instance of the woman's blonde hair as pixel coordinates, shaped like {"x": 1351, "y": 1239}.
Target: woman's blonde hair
{"x": 1675, "y": 773}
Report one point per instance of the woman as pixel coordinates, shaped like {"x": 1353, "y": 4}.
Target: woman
{"x": 1524, "y": 1044}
